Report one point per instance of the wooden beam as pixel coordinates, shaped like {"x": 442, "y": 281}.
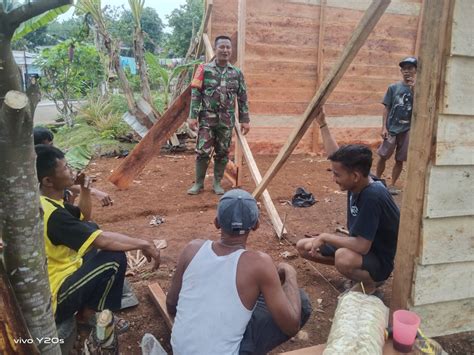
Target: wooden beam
{"x": 242, "y": 19}
{"x": 257, "y": 177}
{"x": 360, "y": 34}
{"x": 208, "y": 47}
{"x": 12, "y": 324}
{"x": 322, "y": 13}
{"x": 203, "y": 28}
{"x": 150, "y": 145}
{"x": 418, "y": 31}
{"x": 436, "y": 19}
{"x": 159, "y": 299}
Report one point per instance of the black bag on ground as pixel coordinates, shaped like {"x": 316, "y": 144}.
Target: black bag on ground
{"x": 302, "y": 198}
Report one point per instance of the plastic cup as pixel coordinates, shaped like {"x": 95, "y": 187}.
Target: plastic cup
{"x": 405, "y": 326}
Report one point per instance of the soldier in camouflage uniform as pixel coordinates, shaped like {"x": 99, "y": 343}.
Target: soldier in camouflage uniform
{"x": 215, "y": 87}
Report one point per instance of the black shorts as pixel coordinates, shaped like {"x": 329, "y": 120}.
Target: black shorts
{"x": 378, "y": 270}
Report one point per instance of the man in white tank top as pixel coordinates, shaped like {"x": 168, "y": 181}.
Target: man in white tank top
{"x": 227, "y": 300}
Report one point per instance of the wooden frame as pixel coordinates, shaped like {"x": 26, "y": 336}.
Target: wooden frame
{"x": 360, "y": 34}
{"x": 427, "y": 102}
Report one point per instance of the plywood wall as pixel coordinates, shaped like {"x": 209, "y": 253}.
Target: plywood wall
{"x": 443, "y": 282}
{"x": 282, "y": 45}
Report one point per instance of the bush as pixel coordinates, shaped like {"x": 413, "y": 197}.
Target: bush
{"x": 105, "y": 114}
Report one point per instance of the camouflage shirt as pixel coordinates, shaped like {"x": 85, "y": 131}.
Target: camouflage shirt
{"x": 214, "y": 90}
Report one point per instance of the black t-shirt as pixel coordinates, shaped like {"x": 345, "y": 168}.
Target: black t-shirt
{"x": 372, "y": 214}
{"x": 399, "y": 100}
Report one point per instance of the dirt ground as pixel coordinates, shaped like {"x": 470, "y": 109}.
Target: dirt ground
{"x": 161, "y": 190}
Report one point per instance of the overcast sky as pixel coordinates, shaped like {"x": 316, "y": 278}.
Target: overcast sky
{"x": 162, "y": 7}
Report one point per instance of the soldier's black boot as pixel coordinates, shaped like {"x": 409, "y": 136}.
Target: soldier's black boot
{"x": 219, "y": 168}
{"x": 201, "y": 167}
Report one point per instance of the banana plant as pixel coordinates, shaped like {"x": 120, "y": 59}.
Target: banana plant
{"x": 164, "y": 77}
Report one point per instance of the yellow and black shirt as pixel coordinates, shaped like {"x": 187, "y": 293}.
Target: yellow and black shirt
{"x": 67, "y": 238}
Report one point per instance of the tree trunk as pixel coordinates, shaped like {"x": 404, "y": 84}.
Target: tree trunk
{"x": 114, "y": 56}
{"x": 141, "y": 64}
{"x": 22, "y": 228}
{"x": 9, "y": 73}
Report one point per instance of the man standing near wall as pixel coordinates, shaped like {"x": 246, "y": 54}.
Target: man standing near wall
{"x": 215, "y": 87}
{"x": 398, "y": 104}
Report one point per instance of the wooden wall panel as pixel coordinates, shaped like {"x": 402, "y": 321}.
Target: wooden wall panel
{"x": 462, "y": 41}
{"x": 455, "y": 140}
{"x": 459, "y": 88}
{"x": 446, "y": 318}
{"x": 442, "y": 283}
{"x": 447, "y": 240}
{"x": 450, "y": 191}
{"x": 281, "y": 53}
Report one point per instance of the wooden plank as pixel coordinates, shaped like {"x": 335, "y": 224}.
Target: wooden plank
{"x": 450, "y": 191}
{"x": 367, "y": 23}
{"x": 203, "y": 28}
{"x": 397, "y": 7}
{"x": 241, "y": 35}
{"x": 425, "y": 113}
{"x": 447, "y": 240}
{"x": 322, "y": 11}
{"x": 443, "y": 283}
{"x": 150, "y": 145}
{"x": 462, "y": 41}
{"x": 257, "y": 177}
{"x": 12, "y": 324}
{"x": 459, "y": 90}
{"x": 159, "y": 299}
{"x": 446, "y": 318}
{"x": 455, "y": 141}
{"x": 208, "y": 47}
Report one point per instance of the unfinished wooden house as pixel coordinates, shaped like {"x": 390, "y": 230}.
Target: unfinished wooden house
{"x": 434, "y": 267}
{"x": 287, "y": 46}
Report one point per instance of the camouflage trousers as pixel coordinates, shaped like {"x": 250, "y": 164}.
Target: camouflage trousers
{"x": 217, "y": 137}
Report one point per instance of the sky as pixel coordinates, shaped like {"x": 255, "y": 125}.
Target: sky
{"x": 162, "y": 7}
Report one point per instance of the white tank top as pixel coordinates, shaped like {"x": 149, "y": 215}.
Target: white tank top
{"x": 210, "y": 318}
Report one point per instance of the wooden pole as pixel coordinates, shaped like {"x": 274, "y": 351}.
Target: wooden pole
{"x": 418, "y": 31}
{"x": 436, "y": 15}
{"x": 360, "y": 34}
{"x": 322, "y": 13}
{"x": 278, "y": 226}
{"x": 242, "y": 13}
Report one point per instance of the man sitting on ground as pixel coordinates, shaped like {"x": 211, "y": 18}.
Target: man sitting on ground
{"x": 79, "y": 285}
{"x": 42, "y": 135}
{"x": 367, "y": 255}
{"x": 228, "y": 300}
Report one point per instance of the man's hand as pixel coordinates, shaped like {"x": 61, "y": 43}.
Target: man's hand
{"x": 193, "y": 124}
{"x": 320, "y": 117}
{"x": 151, "y": 252}
{"x": 244, "y": 127}
{"x": 384, "y": 133}
{"x": 284, "y": 270}
{"x": 103, "y": 197}
{"x": 316, "y": 244}
{"x": 82, "y": 180}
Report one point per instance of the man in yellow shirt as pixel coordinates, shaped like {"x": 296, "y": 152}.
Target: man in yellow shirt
{"x": 79, "y": 285}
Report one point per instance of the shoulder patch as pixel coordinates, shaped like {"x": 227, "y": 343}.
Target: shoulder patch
{"x": 198, "y": 77}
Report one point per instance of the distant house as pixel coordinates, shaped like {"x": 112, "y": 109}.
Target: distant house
{"x": 25, "y": 61}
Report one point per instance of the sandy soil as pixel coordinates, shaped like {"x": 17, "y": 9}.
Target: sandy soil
{"x": 161, "y": 190}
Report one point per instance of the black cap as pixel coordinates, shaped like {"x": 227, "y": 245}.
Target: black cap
{"x": 409, "y": 60}
{"x": 237, "y": 212}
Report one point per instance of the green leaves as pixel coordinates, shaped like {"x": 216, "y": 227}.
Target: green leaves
{"x": 39, "y": 21}
{"x": 78, "y": 157}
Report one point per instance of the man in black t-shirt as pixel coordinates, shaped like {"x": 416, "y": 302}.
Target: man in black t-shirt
{"x": 367, "y": 255}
